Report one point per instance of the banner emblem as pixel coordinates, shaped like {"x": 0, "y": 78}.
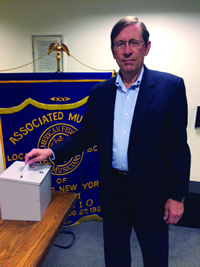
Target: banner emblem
{"x": 52, "y": 135}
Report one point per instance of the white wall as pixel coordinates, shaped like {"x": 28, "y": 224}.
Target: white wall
{"x": 86, "y": 25}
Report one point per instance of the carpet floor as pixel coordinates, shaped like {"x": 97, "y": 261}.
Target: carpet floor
{"x": 87, "y": 249}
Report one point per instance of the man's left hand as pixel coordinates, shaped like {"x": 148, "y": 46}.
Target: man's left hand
{"x": 173, "y": 211}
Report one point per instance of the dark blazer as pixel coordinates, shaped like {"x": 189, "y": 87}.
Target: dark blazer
{"x": 158, "y": 154}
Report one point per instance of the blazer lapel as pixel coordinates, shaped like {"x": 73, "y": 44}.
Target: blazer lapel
{"x": 108, "y": 109}
{"x": 145, "y": 96}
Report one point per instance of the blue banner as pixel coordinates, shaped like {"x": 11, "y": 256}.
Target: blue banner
{"x": 40, "y": 109}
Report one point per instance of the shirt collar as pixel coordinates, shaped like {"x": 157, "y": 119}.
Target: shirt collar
{"x": 119, "y": 83}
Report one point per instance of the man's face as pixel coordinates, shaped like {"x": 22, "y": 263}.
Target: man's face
{"x": 130, "y": 59}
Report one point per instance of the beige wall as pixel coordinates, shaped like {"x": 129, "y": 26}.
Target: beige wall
{"x": 174, "y": 31}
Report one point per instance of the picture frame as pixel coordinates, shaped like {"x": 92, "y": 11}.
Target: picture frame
{"x": 40, "y": 46}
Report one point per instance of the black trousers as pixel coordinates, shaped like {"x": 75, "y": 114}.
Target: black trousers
{"x": 117, "y": 227}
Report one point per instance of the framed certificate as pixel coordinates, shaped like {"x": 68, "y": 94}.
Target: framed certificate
{"x": 40, "y": 46}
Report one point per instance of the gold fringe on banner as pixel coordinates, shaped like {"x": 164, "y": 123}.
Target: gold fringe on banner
{"x": 30, "y": 101}
{"x": 86, "y": 218}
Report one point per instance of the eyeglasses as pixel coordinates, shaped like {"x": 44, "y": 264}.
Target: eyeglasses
{"x": 132, "y": 43}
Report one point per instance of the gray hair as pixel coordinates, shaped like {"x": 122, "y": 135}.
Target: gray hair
{"x": 123, "y": 23}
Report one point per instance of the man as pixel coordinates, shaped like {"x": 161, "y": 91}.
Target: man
{"x": 138, "y": 120}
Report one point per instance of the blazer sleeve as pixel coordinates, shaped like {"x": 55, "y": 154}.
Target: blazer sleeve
{"x": 80, "y": 140}
{"x": 178, "y": 149}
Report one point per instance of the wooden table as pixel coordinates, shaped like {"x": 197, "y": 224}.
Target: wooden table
{"x": 26, "y": 243}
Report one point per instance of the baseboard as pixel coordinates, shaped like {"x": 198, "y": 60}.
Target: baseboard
{"x": 191, "y": 216}
{"x": 194, "y": 187}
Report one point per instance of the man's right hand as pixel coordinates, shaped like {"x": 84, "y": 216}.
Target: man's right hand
{"x": 37, "y": 155}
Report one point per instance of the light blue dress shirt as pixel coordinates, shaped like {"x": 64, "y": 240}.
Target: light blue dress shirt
{"x": 123, "y": 114}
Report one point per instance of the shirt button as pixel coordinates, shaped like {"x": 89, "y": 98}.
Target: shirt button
{"x": 126, "y": 114}
{"x": 123, "y": 150}
{"x": 124, "y": 132}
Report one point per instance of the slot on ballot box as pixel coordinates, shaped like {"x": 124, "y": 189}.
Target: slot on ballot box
{"x": 25, "y": 192}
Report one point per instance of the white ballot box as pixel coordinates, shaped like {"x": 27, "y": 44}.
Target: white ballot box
{"x": 25, "y": 193}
